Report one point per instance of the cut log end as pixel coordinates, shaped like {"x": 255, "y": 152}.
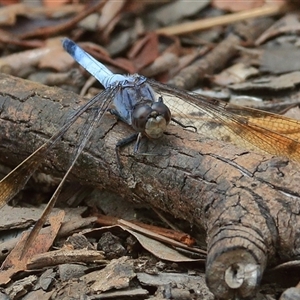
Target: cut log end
{"x": 234, "y": 274}
{"x": 235, "y": 263}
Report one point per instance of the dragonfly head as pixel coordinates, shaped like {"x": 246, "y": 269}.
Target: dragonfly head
{"x": 151, "y": 120}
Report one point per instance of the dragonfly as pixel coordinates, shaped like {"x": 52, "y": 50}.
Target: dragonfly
{"x": 149, "y": 107}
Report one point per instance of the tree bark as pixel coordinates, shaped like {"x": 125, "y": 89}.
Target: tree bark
{"x": 248, "y": 203}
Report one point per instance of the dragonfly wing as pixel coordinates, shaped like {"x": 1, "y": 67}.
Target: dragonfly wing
{"x": 274, "y": 122}
{"x": 12, "y": 183}
{"x": 85, "y": 134}
{"x": 246, "y": 127}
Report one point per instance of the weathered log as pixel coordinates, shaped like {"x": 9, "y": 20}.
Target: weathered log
{"x": 248, "y": 203}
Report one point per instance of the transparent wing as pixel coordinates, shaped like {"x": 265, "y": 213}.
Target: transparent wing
{"x": 242, "y": 126}
{"x": 12, "y": 183}
{"x": 85, "y": 134}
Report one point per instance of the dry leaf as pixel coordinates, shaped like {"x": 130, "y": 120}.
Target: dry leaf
{"x": 145, "y": 51}
{"x": 116, "y": 275}
{"x": 56, "y": 3}
{"x": 288, "y": 24}
{"x": 273, "y": 83}
{"x": 14, "y": 263}
{"x": 234, "y": 74}
{"x": 274, "y": 60}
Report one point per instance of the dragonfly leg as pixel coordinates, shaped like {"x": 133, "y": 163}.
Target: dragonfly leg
{"x": 160, "y": 99}
{"x": 137, "y": 146}
{"x": 137, "y": 143}
{"x": 122, "y": 143}
{"x": 182, "y": 125}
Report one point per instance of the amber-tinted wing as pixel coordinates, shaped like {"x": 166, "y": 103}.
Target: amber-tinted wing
{"x": 246, "y": 127}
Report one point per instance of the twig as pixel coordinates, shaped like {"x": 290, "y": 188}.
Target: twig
{"x": 268, "y": 10}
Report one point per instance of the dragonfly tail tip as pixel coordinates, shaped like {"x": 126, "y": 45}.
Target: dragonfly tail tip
{"x": 68, "y": 45}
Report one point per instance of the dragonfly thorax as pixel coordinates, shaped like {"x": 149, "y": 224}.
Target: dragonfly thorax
{"x": 151, "y": 119}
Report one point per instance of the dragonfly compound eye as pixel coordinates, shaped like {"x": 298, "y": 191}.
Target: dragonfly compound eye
{"x": 151, "y": 120}
{"x": 140, "y": 117}
{"x": 162, "y": 110}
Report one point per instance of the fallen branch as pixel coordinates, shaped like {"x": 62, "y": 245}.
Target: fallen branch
{"x": 247, "y": 202}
